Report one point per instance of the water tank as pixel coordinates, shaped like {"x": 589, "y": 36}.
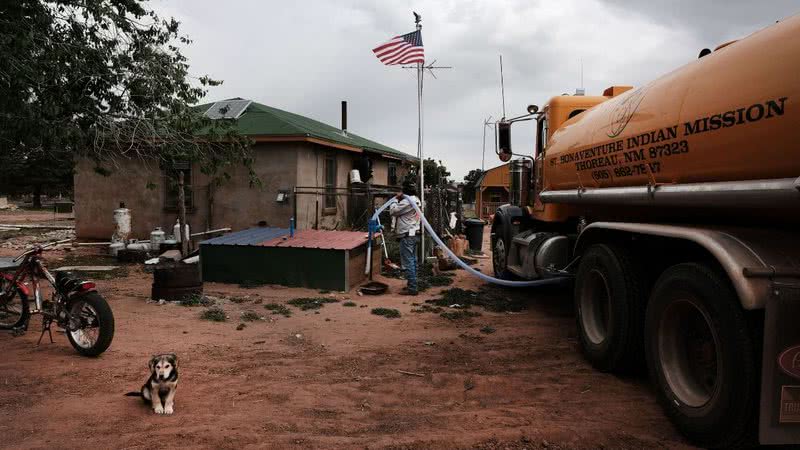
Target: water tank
{"x": 122, "y": 224}
{"x": 157, "y": 238}
{"x": 520, "y": 181}
{"x": 176, "y": 230}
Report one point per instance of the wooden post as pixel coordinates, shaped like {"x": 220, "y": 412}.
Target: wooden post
{"x": 182, "y": 215}
{"x": 210, "y": 196}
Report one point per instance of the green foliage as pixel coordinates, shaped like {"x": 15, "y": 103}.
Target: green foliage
{"x": 435, "y": 173}
{"x": 350, "y": 304}
{"x": 471, "y": 185}
{"x": 277, "y": 308}
{"x": 389, "y": 313}
{"x": 249, "y": 316}
{"x": 307, "y": 303}
{"x": 197, "y": 300}
{"x": 214, "y": 314}
{"x": 104, "y": 79}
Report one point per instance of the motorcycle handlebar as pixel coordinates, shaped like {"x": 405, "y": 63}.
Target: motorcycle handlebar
{"x": 39, "y": 248}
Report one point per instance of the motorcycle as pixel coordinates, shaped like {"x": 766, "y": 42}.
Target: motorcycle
{"x": 74, "y": 305}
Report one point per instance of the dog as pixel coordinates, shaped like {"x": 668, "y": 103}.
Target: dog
{"x": 159, "y": 390}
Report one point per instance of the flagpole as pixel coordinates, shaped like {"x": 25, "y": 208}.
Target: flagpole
{"x": 420, "y": 74}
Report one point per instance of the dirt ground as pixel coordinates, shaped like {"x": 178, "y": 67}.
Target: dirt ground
{"x": 326, "y": 378}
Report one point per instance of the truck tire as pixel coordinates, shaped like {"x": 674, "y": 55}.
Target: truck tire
{"x": 609, "y": 305}
{"x": 702, "y": 355}
{"x": 500, "y": 249}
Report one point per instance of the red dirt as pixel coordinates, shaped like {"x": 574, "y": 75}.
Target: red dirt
{"x": 326, "y": 380}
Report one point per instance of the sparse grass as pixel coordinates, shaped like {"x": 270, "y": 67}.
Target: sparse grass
{"x": 239, "y": 300}
{"x": 307, "y": 303}
{"x": 487, "y": 329}
{"x": 250, "y": 284}
{"x": 196, "y": 300}
{"x": 459, "y": 314}
{"x": 491, "y": 299}
{"x": 250, "y": 316}
{"x": 350, "y": 304}
{"x": 214, "y": 314}
{"x": 427, "y": 308}
{"x": 277, "y": 308}
{"x": 386, "y": 312}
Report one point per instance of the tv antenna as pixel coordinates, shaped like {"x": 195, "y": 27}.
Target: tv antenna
{"x": 486, "y": 123}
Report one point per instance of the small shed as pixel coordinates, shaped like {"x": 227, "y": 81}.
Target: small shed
{"x": 317, "y": 259}
{"x": 492, "y": 191}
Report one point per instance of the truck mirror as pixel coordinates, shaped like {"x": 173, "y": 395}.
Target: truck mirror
{"x": 504, "y": 140}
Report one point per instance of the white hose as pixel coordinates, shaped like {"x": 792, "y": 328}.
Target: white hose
{"x": 465, "y": 266}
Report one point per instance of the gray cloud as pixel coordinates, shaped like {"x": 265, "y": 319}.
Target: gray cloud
{"x": 306, "y": 56}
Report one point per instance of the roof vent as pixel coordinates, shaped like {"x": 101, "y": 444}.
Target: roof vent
{"x": 228, "y": 109}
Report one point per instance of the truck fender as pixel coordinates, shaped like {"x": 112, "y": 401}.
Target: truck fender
{"x": 504, "y": 221}
{"x": 752, "y": 258}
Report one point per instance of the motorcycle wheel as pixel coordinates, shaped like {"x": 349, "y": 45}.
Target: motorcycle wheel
{"x": 92, "y": 326}
{"x": 14, "y": 309}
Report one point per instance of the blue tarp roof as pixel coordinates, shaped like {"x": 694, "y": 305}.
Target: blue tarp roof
{"x": 251, "y": 236}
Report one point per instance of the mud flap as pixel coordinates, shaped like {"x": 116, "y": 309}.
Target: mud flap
{"x": 779, "y": 418}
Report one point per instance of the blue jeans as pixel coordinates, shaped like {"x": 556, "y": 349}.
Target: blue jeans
{"x": 408, "y": 257}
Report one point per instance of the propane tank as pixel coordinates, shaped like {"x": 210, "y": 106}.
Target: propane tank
{"x": 176, "y": 230}
{"x": 122, "y": 224}
{"x": 157, "y": 238}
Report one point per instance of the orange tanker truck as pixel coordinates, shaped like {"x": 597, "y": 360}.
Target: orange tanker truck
{"x": 676, "y": 207}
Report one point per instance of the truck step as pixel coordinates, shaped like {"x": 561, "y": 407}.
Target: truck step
{"x": 516, "y": 270}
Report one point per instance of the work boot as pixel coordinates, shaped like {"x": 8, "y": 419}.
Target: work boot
{"x": 407, "y": 291}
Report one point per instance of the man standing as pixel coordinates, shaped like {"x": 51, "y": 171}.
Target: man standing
{"x": 407, "y": 230}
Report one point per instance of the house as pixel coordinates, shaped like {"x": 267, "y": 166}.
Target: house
{"x": 290, "y": 151}
{"x": 492, "y": 190}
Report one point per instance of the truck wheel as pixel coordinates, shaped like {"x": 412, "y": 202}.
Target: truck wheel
{"x": 500, "y": 258}
{"x": 702, "y": 356}
{"x": 609, "y": 299}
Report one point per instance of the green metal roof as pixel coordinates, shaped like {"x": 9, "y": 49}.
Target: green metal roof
{"x": 263, "y": 120}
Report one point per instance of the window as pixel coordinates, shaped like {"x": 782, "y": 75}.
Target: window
{"x": 392, "y": 178}
{"x": 541, "y": 134}
{"x": 575, "y": 113}
{"x": 330, "y": 181}
{"x": 171, "y": 183}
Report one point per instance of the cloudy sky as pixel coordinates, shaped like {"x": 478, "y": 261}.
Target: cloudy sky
{"x": 306, "y": 56}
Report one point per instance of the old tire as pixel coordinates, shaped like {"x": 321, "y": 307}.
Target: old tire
{"x": 609, "y": 299}
{"x": 703, "y": 356}
{"x": 178, "y": 275}
{"x": 96, "y": 330}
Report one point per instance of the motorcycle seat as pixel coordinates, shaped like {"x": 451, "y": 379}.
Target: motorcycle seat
{"x": 8, "y": 264}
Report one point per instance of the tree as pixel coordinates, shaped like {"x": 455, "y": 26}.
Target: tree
{"x": 105, "y": 79}
{"x": 36, "y": 171}
{"x": 470, "y": 185}
{"x": 435, "y": 173}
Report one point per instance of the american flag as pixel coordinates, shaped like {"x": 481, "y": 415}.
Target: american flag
{"x": 403, "y": 49}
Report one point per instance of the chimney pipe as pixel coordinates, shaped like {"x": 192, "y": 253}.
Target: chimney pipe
{"x": 344, "y": 116}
